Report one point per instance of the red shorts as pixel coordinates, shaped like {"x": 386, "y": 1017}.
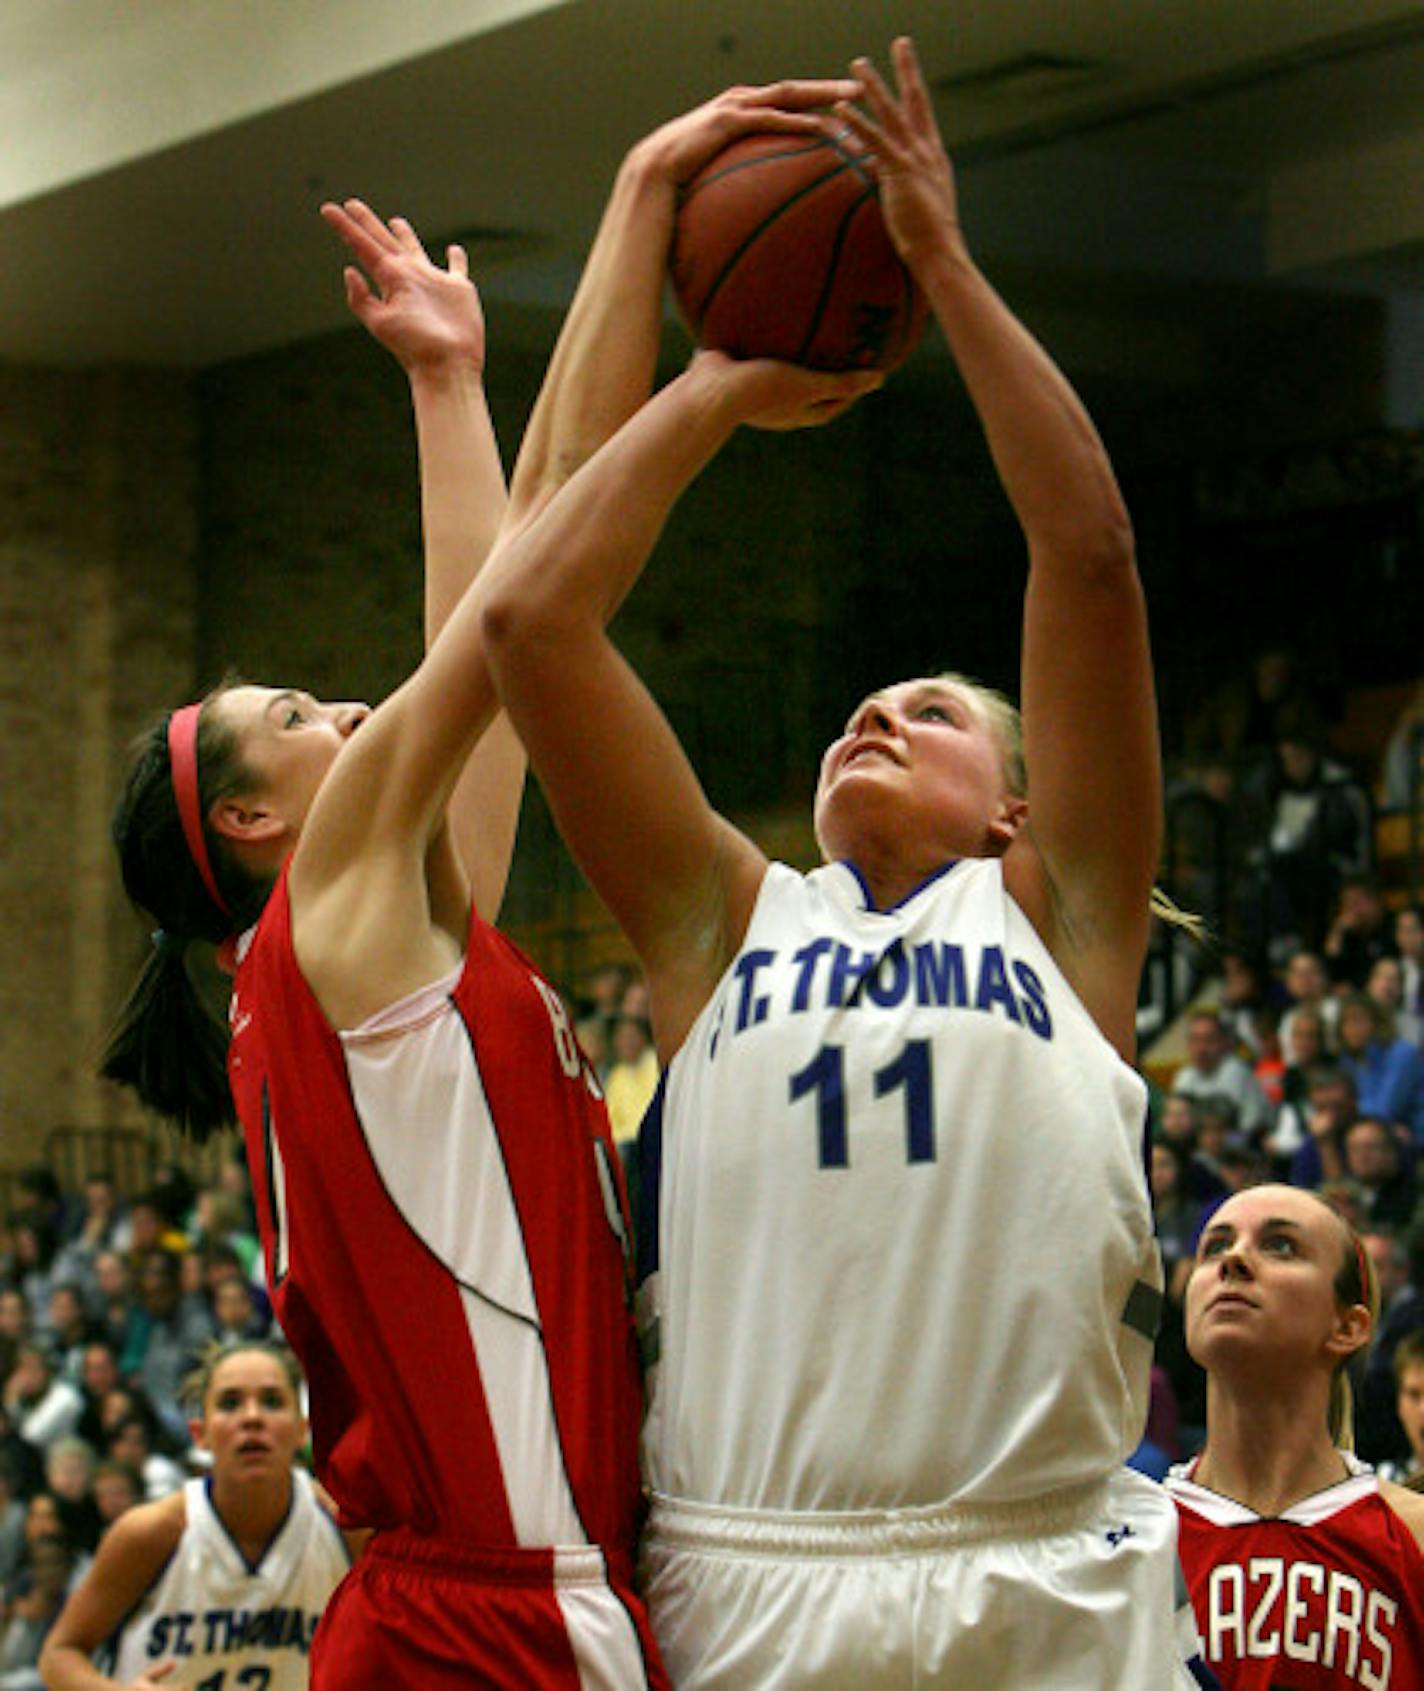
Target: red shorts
{"x": 427, "y": 1613}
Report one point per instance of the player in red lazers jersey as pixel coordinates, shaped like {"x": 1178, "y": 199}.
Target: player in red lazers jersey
{"x": 441, "y": 1220}
{"x": 1305, "y": 1569}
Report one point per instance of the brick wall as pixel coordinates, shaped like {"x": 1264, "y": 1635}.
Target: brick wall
{"x": 97, "y": 525}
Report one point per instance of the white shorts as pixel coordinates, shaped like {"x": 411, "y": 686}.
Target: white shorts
{"x": 1073, "y": 1593}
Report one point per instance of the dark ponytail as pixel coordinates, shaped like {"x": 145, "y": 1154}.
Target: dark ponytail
{"x": 167, "y": 1045}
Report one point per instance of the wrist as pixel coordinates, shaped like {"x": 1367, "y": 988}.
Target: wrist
{"x": 447, "y": 371}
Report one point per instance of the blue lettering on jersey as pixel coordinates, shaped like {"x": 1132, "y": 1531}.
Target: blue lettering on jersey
{"x": 808, "y": 957}
{"x": 751, "y": 1009}
{"x": 220, "y": 1632}
{"x": 889, "y": 981}
{"x": 825, "y": 974}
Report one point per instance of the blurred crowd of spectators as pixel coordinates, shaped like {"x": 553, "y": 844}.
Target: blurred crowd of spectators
{"x": 106, "y": 1304}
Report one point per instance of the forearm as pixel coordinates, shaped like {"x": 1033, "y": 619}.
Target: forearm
{"x": 576, "y": 562}
{"x": 603, "y": 366}
{"x": 65, "y": 1667}
{"x": 462, "y": 491}
{"x": 1048, "y": 454}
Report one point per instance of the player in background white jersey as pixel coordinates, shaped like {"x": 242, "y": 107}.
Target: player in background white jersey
{"x": 789, "y": 1545}
{"x": 220, "y": 1584}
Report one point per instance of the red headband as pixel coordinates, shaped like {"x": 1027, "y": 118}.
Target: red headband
{"x": 183, "y": 758}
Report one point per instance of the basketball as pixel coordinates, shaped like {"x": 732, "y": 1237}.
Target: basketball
{"x": 780, "y": 251}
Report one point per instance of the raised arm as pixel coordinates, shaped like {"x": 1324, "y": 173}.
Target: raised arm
{"x": 430, "y": 320}
{"x": 1084, "y": 874}
{"x": 603, "y": 366}
{"x": 678, "y": 877}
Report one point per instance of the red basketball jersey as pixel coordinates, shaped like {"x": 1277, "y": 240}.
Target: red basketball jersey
{"x": 445, "y": 1239}
{"x": 1329, "y": 1594}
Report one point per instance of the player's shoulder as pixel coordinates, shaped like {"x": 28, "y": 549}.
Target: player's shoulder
{"x": 1408, "y": 1505}
{"x": 149, "y": 1532}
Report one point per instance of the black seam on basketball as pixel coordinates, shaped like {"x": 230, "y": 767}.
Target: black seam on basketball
{"x": 829, "y": 274}
{"x": 751, "y": 163}
{"x": 752, "y": 235}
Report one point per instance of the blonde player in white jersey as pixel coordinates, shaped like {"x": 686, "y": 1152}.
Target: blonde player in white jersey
{"x": 900, "y": 1279}
{"x": 220, "y": 1586}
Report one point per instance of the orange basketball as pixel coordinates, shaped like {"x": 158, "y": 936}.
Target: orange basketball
{"x": 780, "y": 251}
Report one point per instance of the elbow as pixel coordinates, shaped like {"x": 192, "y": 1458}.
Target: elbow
{"x": 518, "y": 619}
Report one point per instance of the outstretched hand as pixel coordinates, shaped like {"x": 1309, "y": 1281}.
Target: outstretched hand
{"x": 767, "y": 394}
{"x": 422, "y": 314}
{"x": 680, "y": 148}
{"x": 917, "y": 189}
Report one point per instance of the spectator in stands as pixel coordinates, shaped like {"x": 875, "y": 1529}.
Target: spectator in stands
{"x": 1385, "y": 986}
{"x": 1176, "y": 1215}
{"x": 1242, "y": 1164}
{"x": 1178, "y": 1131}
{"x": 100, "y": 1222}
{"x": 168, "y": 1340}
{"x": 1330, "y": 1107}
{"x": 1390, "y": 1256}
{"x": 117, "y": 1487}
{"x": 1307, "y": 987}
{"x": 131, "y": 1442}
{"x": 15, "y": 1327}
{"x": 115, "y": 1308}
{"x": 1381, "y": 1434}
{"x": 1360, "y": 931}
{"x": 1408, "y": 1370}
{"x": 98, "y": 1376}
{"x": 235, "y": 1312}
{"x": 632, "y": 1079}
{"x": 1409, "y": 947}
{"x": 19, "y": 1459}
{"x": 68, "y": 1329}
{"x": 39, "y": 1596}
{"x": 69, "y": 1472}
{"x": 39, "y": 1198}
{"x": 1305, "y": 1051}
{"x": 1212, "y": 1067}
{"x": 35, "y": 1245}
{"x": 1373, "y": 1164}
{"x": 1388, "y": 1072}
{"x": 41, "y": 1406}
{"x": 1319, "y": 831}
{"x": 149, "y": 1231}
{"x": 1246, "y": 987}
{"x": 220, "y": 1219}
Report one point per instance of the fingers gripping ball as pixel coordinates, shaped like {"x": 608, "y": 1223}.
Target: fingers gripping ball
{"x": 780, "y": 251}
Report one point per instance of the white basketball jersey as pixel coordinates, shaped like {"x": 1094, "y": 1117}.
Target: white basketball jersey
{"x": 903, "y": 1252}
{"x": 230, "y": 1626}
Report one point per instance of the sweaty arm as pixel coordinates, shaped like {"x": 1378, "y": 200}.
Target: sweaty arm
{"x": 1085, "y": 867}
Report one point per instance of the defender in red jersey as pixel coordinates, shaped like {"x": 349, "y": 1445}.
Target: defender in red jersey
{"x": 441, "y": 1217}
{"x": 1305, "y": 1569}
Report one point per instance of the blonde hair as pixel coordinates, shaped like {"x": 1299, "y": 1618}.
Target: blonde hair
{"x": 194, "y": 1390}
{"x": 1006, "y": 722}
